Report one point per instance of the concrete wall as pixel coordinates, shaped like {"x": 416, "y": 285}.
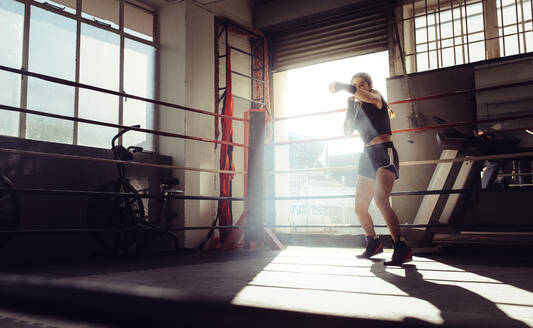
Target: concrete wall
{"x": 45, "y": 212}
{"x": 484, "y": 207}
{"x": 187, "y": 77}
{"x": 506, "y": 102}
{"x": 239, "y": 11}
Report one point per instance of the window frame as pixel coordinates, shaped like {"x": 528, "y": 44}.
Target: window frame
{"x": 79, "y": 21}
{"x": 410, "y": 10}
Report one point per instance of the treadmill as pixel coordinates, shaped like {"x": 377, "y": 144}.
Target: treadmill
{"x": 439, "y": 209}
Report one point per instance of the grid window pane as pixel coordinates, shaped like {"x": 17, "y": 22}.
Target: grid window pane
{"x": 509, "y": 13}
{"x": 459, "y": 53}
{"x": 422, "y": 62}
{"x": 433, "y": 59}
{"x": 12, "y": 23}
{"x": 511, "y": 45}
{"x": 431, "y": 19}
{"x": 447, "y": 43}
{"x": 447, "y": 57}
{"x": 475, "y": 23}
{"x": 529, "y": 41}
{"x": 477, "y": 51}
{"x": 99, "y": 66}
{"x": 51, "y": 46}
{"x": 138, "y": 21}
{"x": 509, "y": 30}
{"x": 466, "y": 27}
{"x": 51, "y": 31}
{"x": 104, "y": 11}
{"x": 446, "y": 30}
{"x": 526, "y": 10}
{"x": 421, "y": 35}
{"x": 139, "y": 63}
{"x": 68, "y": 6}
{"x": 476, "y": 37}
{"x": 422, "y": 47}
{"x": 458, "y": 27}
{"x": 500, "y": 40}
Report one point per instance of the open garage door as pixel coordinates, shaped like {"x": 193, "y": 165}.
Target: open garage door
{"x": 358, "y": 29}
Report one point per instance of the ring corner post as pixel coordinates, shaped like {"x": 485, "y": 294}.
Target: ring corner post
{"x": 255, "y": 204}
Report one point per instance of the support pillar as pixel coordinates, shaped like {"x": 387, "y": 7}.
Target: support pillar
{"x": 256, "y": 159}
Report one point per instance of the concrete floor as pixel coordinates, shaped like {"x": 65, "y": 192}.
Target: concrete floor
{"x": 463, "y": 287}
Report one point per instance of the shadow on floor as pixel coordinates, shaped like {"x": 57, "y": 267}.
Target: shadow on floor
{"x": 219, "y": 274}
{"x": 457, "y": 305}
{"x": 482, "y": 259}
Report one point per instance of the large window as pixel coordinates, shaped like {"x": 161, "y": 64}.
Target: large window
{"x": 441, "y": 33}
{"x": 50, "y": 31}
{"x": 12, "y": 24}
{"x": 100, "y": 57}
{"x": 85, "y": 44}
{"x": 303, "y": 91}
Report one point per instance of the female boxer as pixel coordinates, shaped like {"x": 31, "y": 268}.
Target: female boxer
{"x": 368, "y": 113}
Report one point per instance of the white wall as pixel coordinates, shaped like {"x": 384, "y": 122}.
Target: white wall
{"x": 187, "y": 78}
{"x": 200, "y": 94}
{"x": 172, "y": 89}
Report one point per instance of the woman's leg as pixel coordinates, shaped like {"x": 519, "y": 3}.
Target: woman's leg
{"x": 383, "y": 187}
{"x": 363, "y": 195}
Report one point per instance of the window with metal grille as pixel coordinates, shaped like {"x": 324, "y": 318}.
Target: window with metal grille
{"x": 514, "y": 26}
{"x": 84, "y": 43}
{"x": 440, "y": 33}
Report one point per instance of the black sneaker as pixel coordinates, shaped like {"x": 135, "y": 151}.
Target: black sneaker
{"x": 401, "y": 255}
{"x": 373, "y": 247}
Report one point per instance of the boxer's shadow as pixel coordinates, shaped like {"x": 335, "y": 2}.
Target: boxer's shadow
{"x": 377, "y": 260}
{"x": 457, "y": 305}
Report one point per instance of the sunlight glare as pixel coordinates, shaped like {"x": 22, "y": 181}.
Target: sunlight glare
{"x": 308, "y": 93}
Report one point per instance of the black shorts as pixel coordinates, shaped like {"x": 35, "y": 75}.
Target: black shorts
{"x": 378, "y": 156}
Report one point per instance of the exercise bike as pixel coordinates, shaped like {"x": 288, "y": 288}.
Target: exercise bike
{"x": 119, "y": 225}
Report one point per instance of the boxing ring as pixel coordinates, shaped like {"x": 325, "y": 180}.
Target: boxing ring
{"x": 255, "y": 180}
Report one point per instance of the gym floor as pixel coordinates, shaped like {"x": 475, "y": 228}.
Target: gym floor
{"x": 464, "y": 286}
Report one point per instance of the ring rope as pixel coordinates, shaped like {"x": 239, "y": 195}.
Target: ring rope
{"x": 473, "y": 122}
{"x": 411, "y": 163}
{"x": 116, "y": 93}
{"x": 114, "y": 161}
{"x": 83, "y": 193}
{"x": 525, "y": 229}
{"x": 431, "y": 127}
{"x": 468, "y": 159}
{"x": 407, "y": 193}
{"x": 461, "y": 92}
{"x": 409, "y": 100}
{"x": 113, "y": 125}
{"x": 314, "y": 169}
{"x": 86, "y": 230}
{"x": 334, "y": 111}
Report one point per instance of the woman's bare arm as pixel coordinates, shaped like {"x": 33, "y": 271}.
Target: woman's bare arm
{"x": 373, "y": 97}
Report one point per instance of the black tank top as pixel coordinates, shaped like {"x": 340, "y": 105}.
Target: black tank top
{"x": 371, "y": 121}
